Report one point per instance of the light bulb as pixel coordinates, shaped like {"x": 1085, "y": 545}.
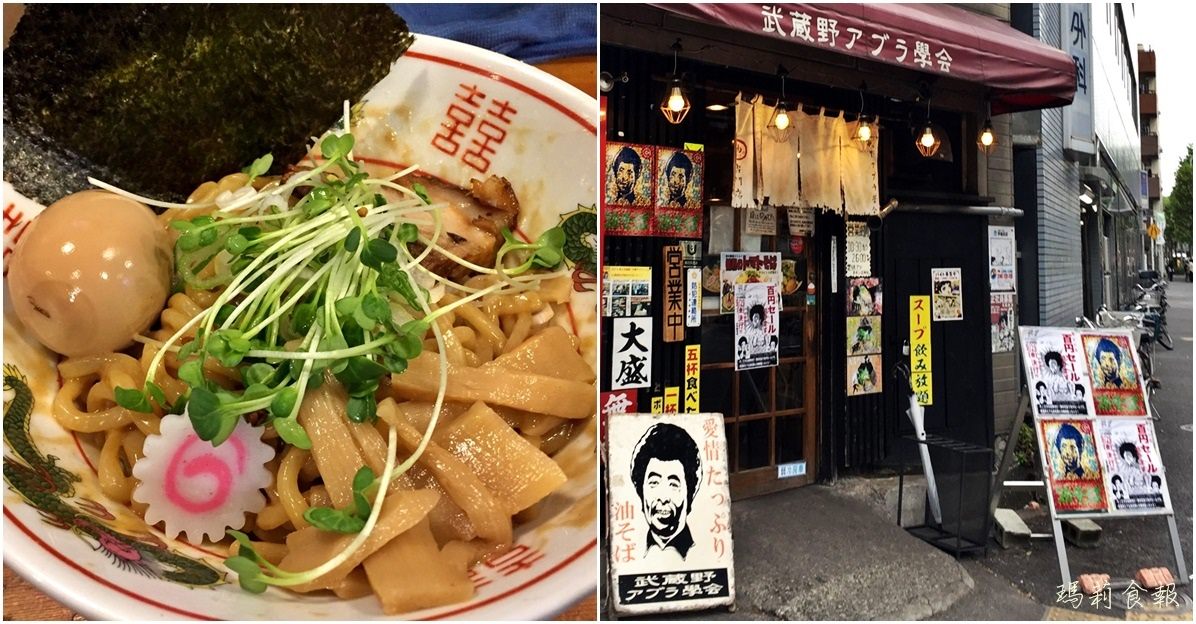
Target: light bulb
{"x": 927, "y": 139}
{"x": 676, "y": 100}
{"x": 865, "y": 132}
{"x": 782, "y": 120}
{"x": 986, "y": 138}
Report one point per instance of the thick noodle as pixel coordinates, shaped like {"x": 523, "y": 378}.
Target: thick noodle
{"x": 517, "y": 387}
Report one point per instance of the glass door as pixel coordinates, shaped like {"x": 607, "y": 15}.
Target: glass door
{"x": 770, "y": 414}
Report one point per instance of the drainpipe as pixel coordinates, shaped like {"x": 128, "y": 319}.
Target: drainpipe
{"x": 988, "y": 211}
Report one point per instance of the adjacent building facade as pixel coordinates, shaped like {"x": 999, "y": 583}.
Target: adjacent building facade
{"x": 1148, "y": 121}
{"x": 1077, "y": 170}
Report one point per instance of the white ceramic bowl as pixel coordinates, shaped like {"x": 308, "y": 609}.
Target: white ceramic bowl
{"x": 71, "y": 547}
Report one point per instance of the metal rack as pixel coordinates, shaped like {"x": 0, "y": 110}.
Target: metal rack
{"x": 972, "y": 463}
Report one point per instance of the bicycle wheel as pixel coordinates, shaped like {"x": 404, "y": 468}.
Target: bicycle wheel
{"x": 1144, "y": 355}
{"x": 1164, "y": 339}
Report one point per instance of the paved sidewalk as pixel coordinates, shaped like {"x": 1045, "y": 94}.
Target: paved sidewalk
{"x": 817, "y": 553}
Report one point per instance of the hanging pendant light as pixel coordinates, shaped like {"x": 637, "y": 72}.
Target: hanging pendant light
{"x": 987, "y": 139}
{"x": 780, "y": 125}
{"x": 676, "y": 103}
{"x": 929, "y": 139}
{"x": 865, "y": 131}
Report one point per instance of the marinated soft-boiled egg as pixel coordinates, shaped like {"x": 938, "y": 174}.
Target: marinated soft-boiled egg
{"x": 90, "y": 273}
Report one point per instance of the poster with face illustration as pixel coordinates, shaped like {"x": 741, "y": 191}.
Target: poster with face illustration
{"x": 864, "y": 375}
{"x": 669, "y": 513}
{"x": 1069, "y": 452}
{"x": 864, "y": 297}
{"x": 756, "y": 323}
{"x": 680, "y": 179}
{"x": 628, "y": 193}
{"x": 1056, "y": 372}
{"x": 863, "y": 335}
{"x": 947, "y": 295}
{"x": 628, "y": 175}
{"x": 1113, "y": 367}
{"x": 1134, "y": 477}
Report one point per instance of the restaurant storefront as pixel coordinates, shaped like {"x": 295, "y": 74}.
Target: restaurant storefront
{"x": 780, "y": 181}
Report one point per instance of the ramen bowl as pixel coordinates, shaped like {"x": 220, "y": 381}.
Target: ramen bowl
{"x": 458, "y": 112}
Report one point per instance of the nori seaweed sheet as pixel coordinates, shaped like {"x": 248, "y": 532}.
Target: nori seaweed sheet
{"x": 160, "y": 98}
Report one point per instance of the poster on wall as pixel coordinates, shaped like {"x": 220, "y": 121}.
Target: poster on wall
{"x": 1069, "y": 451}
{"x": 859, "y": 249}
{"x": 864, "y": 297}
{"x": 761, "y": 221}
{"x": 1004, "y": 322}
{"x": 801, "y": 222}
{"x": 631, "y": 360}
{"x": 626, "y": 291}
{"x": 1134, "y": 475}
{"x": 864, "y": 375}
{"x": 680, "y": 191}
{"x": 1056, "y": 372}
{"x": 863, "y": 335}
{"x": 1002, "y": 259}
{"x": 628, "y": 193}
{"x": 669, "y": 512}
{"x": 947, "y": 294}
{"x": 1114, "y": 370}
{"x": 679, "y": 179}
{"x": 756, "y": 326}
{"x": 745, "y": 268}
{"x": 921, "y": 377}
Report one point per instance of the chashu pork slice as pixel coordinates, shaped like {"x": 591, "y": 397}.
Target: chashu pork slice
{"x": 471, "y": 222}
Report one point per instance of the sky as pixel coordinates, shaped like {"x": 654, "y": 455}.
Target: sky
{"x": 1157, "y": 27}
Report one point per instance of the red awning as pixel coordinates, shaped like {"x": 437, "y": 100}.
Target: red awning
{"x": 1021, "y": 72}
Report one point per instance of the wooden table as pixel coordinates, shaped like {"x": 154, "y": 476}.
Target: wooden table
{"x": 22, "y": 601}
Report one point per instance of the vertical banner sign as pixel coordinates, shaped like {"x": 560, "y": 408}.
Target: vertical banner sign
{"x": 756, "y": 323}
{"x": 1078, "y": 130}
{"x": 834, "y": 265}
{"x": 669, "y": 513}
{"x": 691, "y": 259}
{"x": 1002, "y": 259}
{"x": 920, "y": 359}
{"x": 693, "y": 378}
{"x": 657, "y": 405}
{"x": 672, "y": 400}
{"x": 859, "y": 249}
{"x": 631, "y": 361}
{"x": 948, "y": 294}
{"x": 674, "y": 295}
